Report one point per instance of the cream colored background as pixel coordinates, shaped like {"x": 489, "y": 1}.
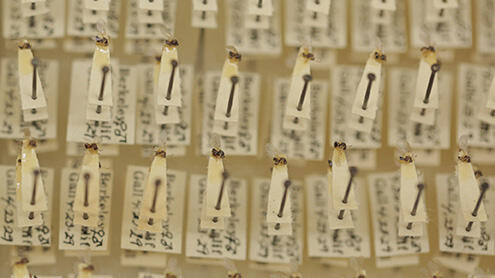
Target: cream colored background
{"x": 245, "y": 167}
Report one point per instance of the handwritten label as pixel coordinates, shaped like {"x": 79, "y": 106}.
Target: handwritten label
{"x": 46, "y": 25}
{"x": 12, "y": 122}
{"x": 385, "y": 209}
{"x": 253, "y": 41}
{"x": 344, "y": 80}
{"x": 266, "y": 248}
{"x": 77, "y": 27}
{"x": 306, "y": 144}
{"x": 169, "y": 240}
{"x": 118, "y": 131}
{"x": 246, "y": 141}
{"x": 391, "y": 34}
{"x": 217, "y": 244}
{"x": 418, "y": 135}
{"x": 11, "y": 233}
{"x": 137, "y": 29}
{"x": 326, "y": 242}
{"x": 333, "y": 35}
{"x": 147, "y": 131}
{"x": 448, "y": 205}
{"x": 455, "y": 32}
{"x": 76, "y": 237}
{"x": 485, "y": 36}
{"x": 473, "y": 84}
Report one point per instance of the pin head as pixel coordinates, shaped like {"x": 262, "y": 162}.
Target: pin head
{"x": 330, "y": 163}
{"x": 353, "y": 170}
{"x": 287, "y": 184}
{"x": 158, "y": 182}
{"x": 36, "y": 172}
{"x": 174, "y": 63}
{"x": 421, "y": 186}
{"x": 435, "y": 67}
{"x": 225, "y": 175}
{"x": 371, "y": 76}
{"x": 234, "y": 79}
{"x": 35, "y": 62}
{"x": 307, "y": 77}
{"x": 105, "y": 69}
{"x": 158, "y": 58}
{"x": 484, "y": 186}
{"x": 478, "y": 174}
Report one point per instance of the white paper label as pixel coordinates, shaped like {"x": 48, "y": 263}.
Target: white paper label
{"x": 485, "y": 28}
{"x": 473, "y": 84}
{"x": 418, "y": 135}
{"x": 135, "y": 28}
{"x": 448, "y": 205}
{"x": 308, "y": 144}
{"x": 169, "y": 240}
{"x": 77, "y": 27}
{"x": 323, "y": 241}
{"x": 385, "y": 206}
{"x": 252, "y": 41}
{"x": 12, "y": 234}
{"x": 229, "y": 243}
{"x": 456, "y": 32}
{"x": 246, "y": 141}
{"x": 118, "y": 131}
{"x": 367, "y": 31}
{"x": 267, "y": 248}
{"x": 12, "y": 120}
{"x": 333, "y": 35}
{"x": 344, "y": 80}
{"x": 50, "y": 24}
{"x": 77, "y": 237}
{"x": 147, "y": 131}
{"x": 204, "y": 19}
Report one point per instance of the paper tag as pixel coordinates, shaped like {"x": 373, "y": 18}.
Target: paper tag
{"x": 147, "y": 131}
{"x": 121, "y": 129}
{"x": 340, "y": 177}
{"x": 469, "y": 190}
{"x": 454, "y": 33}
{"x": 230, "y": 243}
{"x": 445, "y": 4}
{"x": 473, "y": 84}
{"x": 409, "y": 191}
{"x": 447, "y": 193}
{"x": 424, "y": 77}
{"x": 323, "y": 241}
{"x": 246, "y": 141}
{"x": 29, "y": 99}
{"x": 205, "y": 5}
{"x": 156, "y": 5}
{"x": 47, "y": 25}
{"x": 169, "y": 239}
{"x": 213, "y": 187}
{"x": 344, "y": 80}
{"x": 276, "y": 192}
{"x": 135, "y": 28}
{"x": 77, "y": 27}
{"x": 252, "y": 41}
{"x": 485, "y": 34}
{"x": 267, "y": 248}
{"x": 388, "y": 5}
{"x": 309, "y": 142}
{"x": 315, "y": 19}
{"x": 459, "y": 262}
{"x": 319, "y": 6}
{"x": 39, "y": 235}
{"x": 102, "y": 5}
{"x": 257, "y": 22}
{"x": 34, "y": 9}
{"x": 169, "y": 79}
{"x": 76, "y": 237}
{"x": 33, "y": 193}
{"x": 368, "y": 28}
{"x": 204, "y": 19}
{"x": 142, "y": 259}
{"x": 384, "y": 191}
{"x": 333, "y": 35}
{"x": 263, "y": 7}
{"x": 418, "y": 135}
{"x": 11, "y": 115}
{"x": 369, "y": 85}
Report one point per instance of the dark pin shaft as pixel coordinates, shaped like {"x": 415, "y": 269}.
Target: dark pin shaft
{"x": 484, "y": 188}
{"x": 284, "y": 198}
{"x": 34, "y": 93}
{"x": 234, "y": 79}
{"x": 104, "y": 70}
{"x": 434, "y": 69}
{"x": 86, "y": 189}
{"x": 353, "y": 172}
{"x": 155, "y": 196}
{"x": 418, "y": 197}
{"x": 35, "y": 184}
{"x": 171, "y": 80}
{"x": 307, "y": 78}
{"x": 218, "y": 206}
{"x": 371, "y": 78}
